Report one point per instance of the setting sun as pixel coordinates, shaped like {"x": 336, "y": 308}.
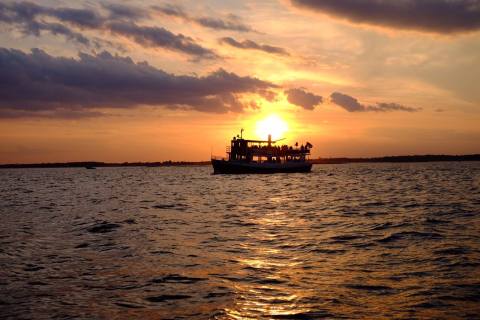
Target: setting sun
{"x": 273, "y": 125}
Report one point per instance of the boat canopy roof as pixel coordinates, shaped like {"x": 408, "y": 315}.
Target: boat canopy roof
{"x": 256, "y": 141}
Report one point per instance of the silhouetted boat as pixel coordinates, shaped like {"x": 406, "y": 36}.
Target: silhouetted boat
{"x": 261, "y": 156}
{"x": 90, "y": 167}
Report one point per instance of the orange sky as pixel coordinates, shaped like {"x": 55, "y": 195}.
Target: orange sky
{"x": 152, "y": 81}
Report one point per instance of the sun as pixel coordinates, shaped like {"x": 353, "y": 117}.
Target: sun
{"x": 273, "y": 125}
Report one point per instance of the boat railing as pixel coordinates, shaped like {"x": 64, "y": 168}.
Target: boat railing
{"x": 218, "y": 158}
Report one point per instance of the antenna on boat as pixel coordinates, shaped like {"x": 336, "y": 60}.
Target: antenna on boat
{"x": 241, "y": 133}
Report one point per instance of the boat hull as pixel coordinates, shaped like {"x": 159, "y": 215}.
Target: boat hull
{"x": 237, "y": 167}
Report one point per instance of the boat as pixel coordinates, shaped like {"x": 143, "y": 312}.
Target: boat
{"x": 262, "y": 156}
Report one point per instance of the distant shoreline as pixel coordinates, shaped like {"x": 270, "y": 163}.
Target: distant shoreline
{"x": 399, "y": 159}
{"x": 387, "y": 159}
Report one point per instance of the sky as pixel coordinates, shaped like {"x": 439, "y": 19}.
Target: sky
{"x": 144, "y": 80}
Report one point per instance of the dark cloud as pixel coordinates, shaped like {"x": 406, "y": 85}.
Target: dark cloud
{"x": 120, "y": 21}
{"x": 24, "y": 15}
{"x": 161, "y": 37}
{"x": 120, "y": 11}
{"x": 268, "y": 95}
{"x": 440, "y": 16}
{"x": 347, "y": 102}
{"x": 351, "y": 104}
{"x": 83, "y": 18}
{"x": 38, "y": 83}
{"x": 383, "y": 107}
{"x": 230, "y": 22}
{"x": 249, "y": 44}
{"x": 11, "y": 113}
{"x": 302, "y": 98}
{"x": 60, "y": 29}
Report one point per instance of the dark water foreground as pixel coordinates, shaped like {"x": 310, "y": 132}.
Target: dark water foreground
{"x": 358, "y": 241}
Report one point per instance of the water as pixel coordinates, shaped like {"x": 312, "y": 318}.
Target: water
{"x": 344, "y": 242}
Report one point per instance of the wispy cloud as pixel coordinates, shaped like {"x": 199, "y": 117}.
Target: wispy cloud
{"x": 161, "y": 37}
{"x": 251, "y": 45}
{"x": 121, "y": 11}
{"x": 230, "y": 22}
{"x": 351, "y": 104}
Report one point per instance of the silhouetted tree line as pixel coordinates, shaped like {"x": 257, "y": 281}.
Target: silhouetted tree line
{"x": 96, "y": 164}
{"x": 414, "y": 158}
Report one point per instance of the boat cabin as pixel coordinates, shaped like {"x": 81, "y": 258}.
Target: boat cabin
{"x": 266, "y": 151}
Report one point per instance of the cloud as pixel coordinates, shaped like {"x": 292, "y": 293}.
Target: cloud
{"x": 249, "y": 44}
{"x": 351, "y": 104}
{"x": 302, "y": 98}
{"x": 120, "y": 21}
{"x": 120, "y": 11}
{"x": 24, "y": 15}
{"x": 60, "y": 29}
{"x": 37, "y": 83}
{"x": 50, "y": 114}
{"x": 439, "y": 16}
{"x": 230, "y": 22}
{"x": 83, "y": 18}
{"x": 161, "y": 37}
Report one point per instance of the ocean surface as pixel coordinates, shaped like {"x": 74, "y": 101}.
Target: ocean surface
{"x": 352, "y": 241}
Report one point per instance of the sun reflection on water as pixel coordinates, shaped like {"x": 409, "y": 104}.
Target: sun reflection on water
{"x": 267, "y": 290}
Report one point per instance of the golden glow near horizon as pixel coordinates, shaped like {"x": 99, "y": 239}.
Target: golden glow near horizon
{"x": 274, "y": 125}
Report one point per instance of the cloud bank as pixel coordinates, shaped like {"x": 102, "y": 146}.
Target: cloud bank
{"x": 302, "y": 98}
{"x": 249, "y": 44}
{"x": 37, "y": 83}
{"x": 351, "y": 104}
{"x": 439, "y": 16}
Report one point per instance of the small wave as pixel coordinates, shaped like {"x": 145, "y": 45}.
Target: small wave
{"x": 163, "y": 206}
{"x": 161, "y": 252}
{"x": 103, "y": 227}
{"x": 345, "y": 238}
{"x": 377, "y": 289}
{"x": 432, "y": 305}
{"x": 305, "y": 315}
{"x": 32, "y": 268}
{"x": 217, "y": 294}
{"x": 130, "y": 221}
{"x": 176, "y": 206}
{"x": 270, "y": 281}
{"x": 410, "y": 205}
{"x": 329, "y": 251}
{"x": 435, "y": 221}
{"x": 451, "y": 251}
{"x": 166, "y": 297}
{"x": 176, "y": 278}
{"x": 128, "y": 305}
{"x": 374, "y": 204}
{"x": 37, "y": 283}
{"x": 410, "y": 235}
